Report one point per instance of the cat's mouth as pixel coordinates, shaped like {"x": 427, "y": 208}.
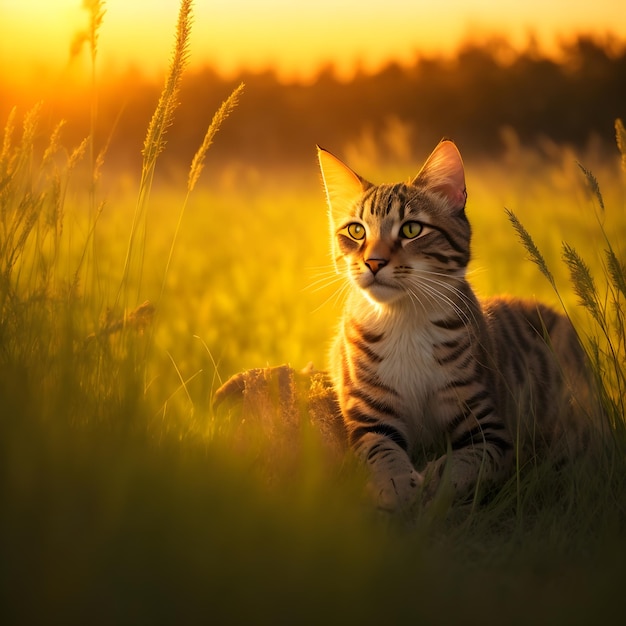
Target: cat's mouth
{"x": 378, "y": 289}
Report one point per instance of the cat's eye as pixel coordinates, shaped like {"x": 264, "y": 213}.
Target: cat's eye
{"x": 356, "y": 231}
{"x": 410, "y": 230}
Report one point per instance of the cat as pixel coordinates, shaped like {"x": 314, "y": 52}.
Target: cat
{"x": 420, "y": 365}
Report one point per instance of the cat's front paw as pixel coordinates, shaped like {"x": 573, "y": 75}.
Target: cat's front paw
{"x": 396, "y": 493}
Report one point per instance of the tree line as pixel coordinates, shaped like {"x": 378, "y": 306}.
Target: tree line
{"x": 402, "y": 110}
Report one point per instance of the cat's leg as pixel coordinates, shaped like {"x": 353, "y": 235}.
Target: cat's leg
{"x": 468, "y": 473}
{"x": 394, "y": 483}
{"x": 480, "y": 456}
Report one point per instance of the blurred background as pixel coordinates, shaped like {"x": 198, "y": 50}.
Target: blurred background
{"x": 377, "y": 82}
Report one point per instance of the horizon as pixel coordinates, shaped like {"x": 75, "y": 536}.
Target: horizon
{"x": 295, "y": 42}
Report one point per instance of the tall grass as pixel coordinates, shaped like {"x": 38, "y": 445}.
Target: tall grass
{"x": 76, "y": 415}
{"x": 602, "y": 298}
{"x": 197, "y": 165}
{"x": 123, "y": 499}
{"x": 154, "y": 145}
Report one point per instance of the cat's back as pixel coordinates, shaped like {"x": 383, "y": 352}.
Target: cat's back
{"x": 524, "y": 332}
{"x": 541, "y": 376}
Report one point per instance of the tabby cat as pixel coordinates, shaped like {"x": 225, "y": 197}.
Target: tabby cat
{"x": 419, "y": 364}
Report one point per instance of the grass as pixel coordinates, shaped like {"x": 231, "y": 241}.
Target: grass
{"x": 125, "y": 500}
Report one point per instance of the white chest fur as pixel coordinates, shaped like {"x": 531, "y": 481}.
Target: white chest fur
{"x": 409, "y": 366}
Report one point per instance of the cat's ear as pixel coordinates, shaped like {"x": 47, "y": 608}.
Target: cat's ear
{"x": 444, "y": 173}
{"x": 343, "y": 186}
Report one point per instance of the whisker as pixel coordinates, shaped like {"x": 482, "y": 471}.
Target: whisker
{"x": 437, "y": 296}
{"x": 325, "y": 270}
{"x": 426, "y": 275}
{"x": 414, "y": 297}
{"x": 338, "y": 296}
{"x": 324, "y": 277}
{"x": 435, "y": 289}
{"x": 322, "y": 283}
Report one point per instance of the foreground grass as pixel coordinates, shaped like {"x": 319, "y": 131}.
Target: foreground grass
{"x": 125, "y": 500}
{"x": 107, "y": 529}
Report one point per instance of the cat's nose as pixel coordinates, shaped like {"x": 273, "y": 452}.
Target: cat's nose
{"x": 375, "y": 264}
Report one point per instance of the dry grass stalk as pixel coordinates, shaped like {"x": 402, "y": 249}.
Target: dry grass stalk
{"x": 6, "y": 142}
{"x": 197, "y": 164}
{"x": 583, "y": 282}
{"x": 168, "y": 102}
{"x": 155, "y": 138}
{"x": 529, "y": 245}
{"x": 138, "y": 319}
{"x": 592, "y": 184}
{"x": 620, "y": 137}
{"x": 96, "y": 11}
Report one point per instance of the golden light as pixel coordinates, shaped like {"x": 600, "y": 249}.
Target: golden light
{"x": 294, "y": 38}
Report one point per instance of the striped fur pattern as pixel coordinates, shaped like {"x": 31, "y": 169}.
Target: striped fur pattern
{"x": 423, "y": 371}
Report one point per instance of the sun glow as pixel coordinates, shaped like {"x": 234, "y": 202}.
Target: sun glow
{"x": 293, "y": 38}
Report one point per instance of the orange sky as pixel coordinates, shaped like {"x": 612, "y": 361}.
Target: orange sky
{"x": 293, "y": 36}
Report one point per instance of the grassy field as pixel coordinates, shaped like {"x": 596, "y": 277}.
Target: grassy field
{"x": 126, "y": 500}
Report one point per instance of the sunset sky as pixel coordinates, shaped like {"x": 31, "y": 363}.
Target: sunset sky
{"x": 294, "y": 37}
